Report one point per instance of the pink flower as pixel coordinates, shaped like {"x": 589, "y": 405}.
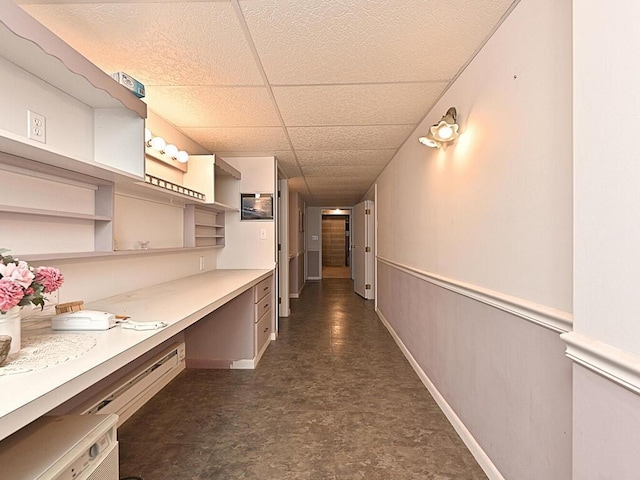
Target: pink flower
{"x": 50, "y": 278}
{"x": 18, "y": 272}
{"x": 10, "y": 294}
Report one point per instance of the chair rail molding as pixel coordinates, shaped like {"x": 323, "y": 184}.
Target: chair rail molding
{"x": 615, "y": 364}
{"x": 553, "y": 319}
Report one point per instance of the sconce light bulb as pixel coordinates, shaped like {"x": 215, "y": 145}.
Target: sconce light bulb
{"x": 147, "y": 136}
{"x": 445, "y": 132}
{"x": 171, "y": 150}
{"x": 158, "y": 143}
{"x": 182, "y": 156}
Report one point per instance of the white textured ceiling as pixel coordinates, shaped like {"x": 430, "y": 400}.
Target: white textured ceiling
{"x": 332, "y": 88}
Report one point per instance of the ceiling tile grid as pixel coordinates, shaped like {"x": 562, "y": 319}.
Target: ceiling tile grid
{"x": 241, "y": 139}
{"x": 343, "y": 41}
{"x": 331, "y": 88}
{"x": 349, "y": 137}
{"x": 364, "y": 104}
{"x": 195, "y": 43}
{"x": 207, "y": 106}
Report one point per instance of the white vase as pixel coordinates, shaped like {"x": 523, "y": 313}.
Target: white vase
{"x": 10, "y": 325}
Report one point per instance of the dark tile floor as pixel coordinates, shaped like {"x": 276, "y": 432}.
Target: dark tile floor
{"x": 333, "y": 399}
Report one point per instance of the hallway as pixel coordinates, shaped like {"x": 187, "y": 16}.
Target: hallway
{"x": 332, "y": 398}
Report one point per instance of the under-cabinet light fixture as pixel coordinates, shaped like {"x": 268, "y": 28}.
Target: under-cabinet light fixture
{"x": 168, "y": 149}
{"x": 443, "y": 132}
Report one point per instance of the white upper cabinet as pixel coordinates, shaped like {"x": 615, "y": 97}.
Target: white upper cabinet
{"x": 86, "y": 121}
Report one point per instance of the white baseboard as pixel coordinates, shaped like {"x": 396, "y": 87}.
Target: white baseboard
{"x": 474, "y": 447}
{"x": 294, "y": 295}
{"x": 244, "y": 364}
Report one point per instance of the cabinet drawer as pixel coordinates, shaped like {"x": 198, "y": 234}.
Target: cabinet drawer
{"x": 262, "y": 307}
{"x": 262, "y": 289}
{"x": 263, "y": 332}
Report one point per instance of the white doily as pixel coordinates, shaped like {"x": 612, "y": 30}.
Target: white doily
{"x": 42, "y": 351}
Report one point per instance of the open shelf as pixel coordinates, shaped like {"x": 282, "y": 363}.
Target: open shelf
{"x": 52, "y": 213}
{"x": 40, "y": 257}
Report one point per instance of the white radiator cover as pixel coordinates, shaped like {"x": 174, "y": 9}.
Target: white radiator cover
{"x": 133, "y": 391}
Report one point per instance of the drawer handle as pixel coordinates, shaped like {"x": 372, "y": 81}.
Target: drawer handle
{"x": 265, "y": 288}
{"x": 266, "y": 330}
{"x": 266, "y": 305}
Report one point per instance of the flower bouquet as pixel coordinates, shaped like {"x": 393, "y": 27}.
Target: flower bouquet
{"x": 21, "y": 285}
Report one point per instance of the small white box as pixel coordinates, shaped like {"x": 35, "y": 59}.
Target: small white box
{"x": 131, "y": 83}
{"x": 83, "y": 320}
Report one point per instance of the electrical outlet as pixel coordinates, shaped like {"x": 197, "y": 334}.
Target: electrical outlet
{"x": 36, "y": 127}
{"x": 201, "y": 263}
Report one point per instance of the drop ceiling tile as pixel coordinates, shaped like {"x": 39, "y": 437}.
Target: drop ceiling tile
{"x": 206, "y": 106}
{"x": 337, "y": 183}
{"x": 345, "y": 157}
{"x": 288, "y": 164}
{"x": 246, "y": 139}
{"x": 349, "y": 137}
{"x": 297, "y": 184}
{"x": 195, "y": 43}
{"x": 386, "y": 41}
{"x": 352, "y": 171}
{"x": 396, "y": 103}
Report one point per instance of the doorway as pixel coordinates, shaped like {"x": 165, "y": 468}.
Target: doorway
{"x": 335, "y": 245}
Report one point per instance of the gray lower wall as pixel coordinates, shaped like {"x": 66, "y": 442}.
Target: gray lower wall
{"x": 508, "y": 380}
{"x": 313, "y": 264}
{"x": 606, "y": 429}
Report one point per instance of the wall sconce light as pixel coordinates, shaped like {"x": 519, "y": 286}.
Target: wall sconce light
{"x": 168, "y": 149}
{"x": 158, "y": 143}
{"x": 182, "y": 156}
{"x": 443, "y": 132}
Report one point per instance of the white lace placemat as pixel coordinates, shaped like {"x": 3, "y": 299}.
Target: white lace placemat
{"x": 42, "y": 351}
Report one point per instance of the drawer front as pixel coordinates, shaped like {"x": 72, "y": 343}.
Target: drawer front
{"x": 263, "y": 332}
{"x": 262, "y": 289}
{"x": 262, "y": 307}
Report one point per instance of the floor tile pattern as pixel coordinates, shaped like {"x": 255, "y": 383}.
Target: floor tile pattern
{"x": 332, "y": 399}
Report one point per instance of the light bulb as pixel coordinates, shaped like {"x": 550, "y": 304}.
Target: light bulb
{"x": 182, "y": 156}
{"x": 147, "y": 136}
{"x": 158, "y": 143}
{"x": 171, "y": 150}
{"x": 445, "y": 132}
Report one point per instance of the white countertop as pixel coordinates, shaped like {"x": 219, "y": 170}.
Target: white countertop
{"x": 179, "y": 303}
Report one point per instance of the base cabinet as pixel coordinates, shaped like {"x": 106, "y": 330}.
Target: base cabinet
{"x": 234, "y": 335}
{"x": 262, "y": 315}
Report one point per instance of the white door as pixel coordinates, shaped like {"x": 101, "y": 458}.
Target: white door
{"x": 362, "y": 249}
{"x": 283, "y": 248}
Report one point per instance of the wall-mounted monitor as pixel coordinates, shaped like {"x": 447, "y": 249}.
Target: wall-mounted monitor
{"x": 256, "y": 206}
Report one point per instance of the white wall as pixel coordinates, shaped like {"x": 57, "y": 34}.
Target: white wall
{"x": 93, "y": 279}
{"x": 244, "y": 248}
{"x": 607, "y": 234}
{"x": 495, "y": 209}
{"x": 138, "y": 220}
{"x": 490, "y": 219}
